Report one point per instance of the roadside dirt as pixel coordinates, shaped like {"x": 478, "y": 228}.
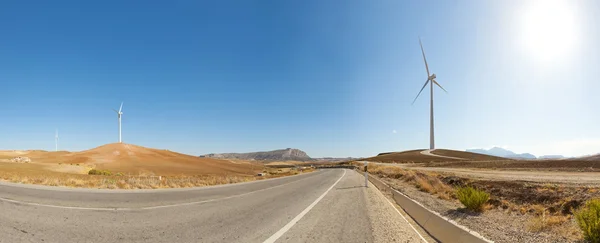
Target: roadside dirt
{"x": 539, "y": 176}
{"x": 509, "y": 214}
{"x": 550, "y": 165}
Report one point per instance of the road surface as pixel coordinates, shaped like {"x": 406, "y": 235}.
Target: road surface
{"x": 324, "y": 206}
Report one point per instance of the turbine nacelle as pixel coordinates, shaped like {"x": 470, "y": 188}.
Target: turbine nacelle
{"x": 432, "y": 76}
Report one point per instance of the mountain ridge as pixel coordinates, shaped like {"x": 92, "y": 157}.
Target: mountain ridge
{"x": 500, "y": 152}
{"x": 273, "y": 155}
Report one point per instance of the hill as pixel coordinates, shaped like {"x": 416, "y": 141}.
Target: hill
{"x": 133, "y": 159}
{"x": 275, "y": 155}
{"x": 415, "y": 156}
{"x": 595, "y": 157}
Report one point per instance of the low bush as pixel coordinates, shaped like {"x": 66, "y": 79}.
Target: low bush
{"x": 472, "y": 198}
{"x": 588, "y": 219}
{"x": 99, "y": 172}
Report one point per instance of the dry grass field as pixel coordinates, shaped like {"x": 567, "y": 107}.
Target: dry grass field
{"x": 546, "y": 165}
{"x": 537, "y": 212}
{"x": 127, "y": 166}
{"x": 131, "y": 159}
{"x": 415, "y": 156}
{"x": 535, "y": 198}
{"x": 466, "y": 155}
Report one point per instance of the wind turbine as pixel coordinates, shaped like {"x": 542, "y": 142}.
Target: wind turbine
{"x": 119, "y": 113}
{"x": 56, "y": 140}
{"x": 430, "y": 80}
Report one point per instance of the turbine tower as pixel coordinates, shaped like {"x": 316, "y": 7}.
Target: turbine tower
{"x": 430, "y": 80}
{"x": 56, "y": 140}
{"x": 119, "y": 113}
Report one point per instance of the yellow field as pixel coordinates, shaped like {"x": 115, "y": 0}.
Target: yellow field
{"x": 129, "y": 166}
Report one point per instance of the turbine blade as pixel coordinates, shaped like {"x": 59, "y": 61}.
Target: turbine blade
{"x": 121, "y": 108}
{"x": 115, "y": 110}
{"x": 426, "y": 82}
{"x": 424, "y": 59}
{"x": 435, "y": 82}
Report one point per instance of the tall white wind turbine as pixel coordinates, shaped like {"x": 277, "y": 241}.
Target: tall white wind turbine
{"x": 56, "y": 140}
{"x": 119, "y": 113}
{"x": 430, "y": 80}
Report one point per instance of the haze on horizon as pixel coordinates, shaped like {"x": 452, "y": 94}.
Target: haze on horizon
{"x": 331, "y": 79}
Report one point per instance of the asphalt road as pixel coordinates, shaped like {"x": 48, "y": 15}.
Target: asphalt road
{"x": 325, "y": 206}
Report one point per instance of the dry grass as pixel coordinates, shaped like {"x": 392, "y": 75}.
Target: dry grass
{"x": 32, "y": 174}
{"x": 124, "y": 182}
{"x": 547, "y": 222}
{"x": 415, "y": 156}
{"x": 548, "y": 208}
{"x": 426, "y": 182}
{"x": 129, "y": 158}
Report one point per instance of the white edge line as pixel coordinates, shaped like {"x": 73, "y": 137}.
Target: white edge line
{"x": 145, "y": 208}
{"x": 398, "y": 211}
{"x": 289, "y": 225}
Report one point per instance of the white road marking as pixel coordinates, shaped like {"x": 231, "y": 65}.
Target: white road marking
{"x": 144, "y": 208}
{"x": 289, "y": 225}
{"x": 391, "y": 204}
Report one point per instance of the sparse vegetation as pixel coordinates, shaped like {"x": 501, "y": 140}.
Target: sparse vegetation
{"x": 547, "y": 208}
{"x": 99, "y": 172}
{"x": 588, "y": 219}
{"x": 545, "y": 222}
{"x": 95, "y": 178}
{"x": 473, "y": 199}
{"x": 426, "y": 182}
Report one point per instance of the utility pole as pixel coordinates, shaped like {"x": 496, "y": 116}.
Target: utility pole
{"x": 56, "y": 141}
{"x": 366, "y": 175}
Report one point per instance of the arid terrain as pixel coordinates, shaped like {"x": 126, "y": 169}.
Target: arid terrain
{"x": 127, "y": 166}
{"x": 530, "y": 200}
{"x": 415, "y": 156}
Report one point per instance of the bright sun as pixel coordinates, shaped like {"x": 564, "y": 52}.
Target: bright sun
{"x": 549, "y": 29}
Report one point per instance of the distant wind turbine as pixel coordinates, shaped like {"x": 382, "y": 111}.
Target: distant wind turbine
{"x": 119, "y": 113}
{"x": 56, "y": 140}
{"x": 430, "y": 81}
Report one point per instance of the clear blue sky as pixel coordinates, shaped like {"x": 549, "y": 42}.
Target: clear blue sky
{"x": 333, "y": 78}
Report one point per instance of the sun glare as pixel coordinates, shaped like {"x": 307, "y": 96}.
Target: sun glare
{"x": 549, "y": 29}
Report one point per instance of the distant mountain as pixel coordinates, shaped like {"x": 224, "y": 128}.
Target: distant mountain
{"x": 551, "y": 157}
{"x": 331, "y": 159}
{"x": 281, "y": 154}
{"x": 500, "y": 152}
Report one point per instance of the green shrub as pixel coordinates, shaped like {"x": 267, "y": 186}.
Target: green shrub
{"x": 588, "y": 219}
{"x": 472, "y": 198}
{"x": 99, "y": 172}
{"x": 119, "y": 174}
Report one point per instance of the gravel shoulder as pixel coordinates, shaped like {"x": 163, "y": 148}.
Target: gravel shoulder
{"x": 495, "y": 224}
{"x": 387, "y": 224}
